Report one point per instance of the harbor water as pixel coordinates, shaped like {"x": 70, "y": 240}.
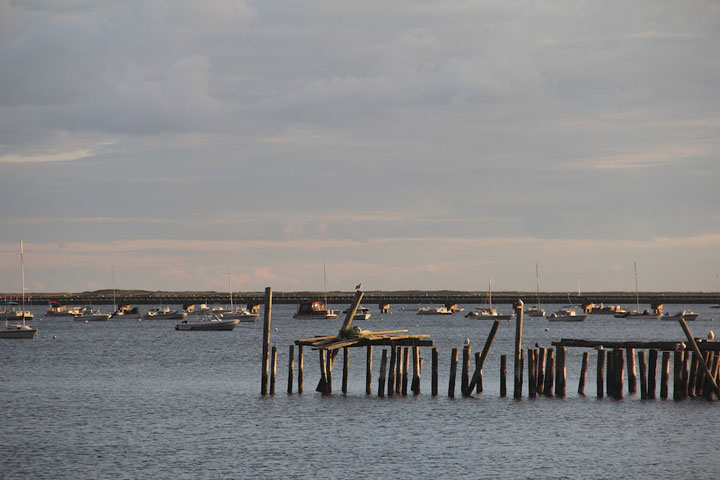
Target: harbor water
{"x": 137, "y": 399}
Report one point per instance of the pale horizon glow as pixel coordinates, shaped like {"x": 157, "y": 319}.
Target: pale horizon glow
{"x": 408, "y": 146}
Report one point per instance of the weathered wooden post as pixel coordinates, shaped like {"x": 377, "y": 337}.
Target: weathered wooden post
{"x": 583, "y": 373}
{"x": 600, "y": 380}
{"x": 684, "y": 375}
{"x": 677, "y": 375}
{"x": 714, "y": 368}
{"x": 664, "y": 374}
{"x": 620, "y": 372}
{"x": 273, "y": 369}
{"x": 478, "y": 367}
{"x": 415, "y": 387}
{"x": 291, "y": 369}
{"x": 398, "y": 369}
{"x": 477, "y": 376}
{"x": 611, "y": 382}
{"x": 503, "y": 375}
{"x": 266, "y": 342}
{"x": 301, "y": 365}
{"x": 381, "y": 380}
{"x": 540, "y": 388}
{"x": 560, "y": 372}
{"x": 391, "y": 371}
{"x": 406, "y": 359}
{"x": 368, "y": 369}
{"x": 434, "y": 380}
{"x": 632, "y": 372}
{"x": 532, "y": 371}
{"x": 652, "y": 372}
{"x": 330, "y": 362}
{"x": 643, "y": 375}
{"x": 519, "y": 306}
{"x": 465, "y": 373}
{"x": 453, "y": 372}
{"x": 549, "y": 372}
{"x": 693, "y": 345}
{"x": 700, "y": 382}
{"x": 693, "y": 375}
{"x": 346, "y": 368}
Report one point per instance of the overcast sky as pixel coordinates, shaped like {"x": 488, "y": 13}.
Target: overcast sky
{"x": 405, "y": 144}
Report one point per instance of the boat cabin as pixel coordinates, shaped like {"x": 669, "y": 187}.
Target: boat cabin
{"x": 311, "y": 307}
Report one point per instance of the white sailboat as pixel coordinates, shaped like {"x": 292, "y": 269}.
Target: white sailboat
{"x": 316, "y": 310}
{"x": 636, "y": 314}
{"x": 239, "y": 313}
{"x": 489, "y": 313}
{"x": 19, "y": 330}
{"x": 536, "y": 311}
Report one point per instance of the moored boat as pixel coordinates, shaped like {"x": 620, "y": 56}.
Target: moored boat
{"x": 127, "y": 312}
{"x": 362, "y": 313}
{"x": 685, "y": 315}
{"x": 534, "y": 311}
{"x": 237, "y": 313}
{"x": 164, "y": 313}
{"x": 566, "y": 315}
{"x": 88, "y": 314}
{"x": 207, "y": 322}
{"x": 315, "y": 311}
{"x": 58, "y": 310}
{"x": 434, "y": 311}
{"x": 19, "y": 330}
{"x": 489, "y": 314}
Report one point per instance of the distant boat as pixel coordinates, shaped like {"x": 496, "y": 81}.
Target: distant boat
{"x": 637, "y": 314}
{"x": 57, "y": 310}
{"x": 19, "y": 330}
{"x": 127, "y": 312}
{"x": 434, "y": 311}
{"x": 362, "y": 313}
{"x": 603, "y": 309}
{"x": 566, "y": 315}
{"x": 314, "y": 310}
{"x": 88, "y": 314}
{"x": 685, "y": 315}
{"x": 536, "y": 311}
{"x": 207, "y": 322}
{"x": 164, "y": 313}
{"x": 236, "y": 312}
{"x": 14, "y": 315}
{"x": 490, "y": 312}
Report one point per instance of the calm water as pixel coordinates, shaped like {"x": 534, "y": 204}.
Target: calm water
{"x": 129, "y": 399}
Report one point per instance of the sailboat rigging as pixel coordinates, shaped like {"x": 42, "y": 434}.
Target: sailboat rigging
{"x": 536, "y": 311}
{"x": 20, "y": 330}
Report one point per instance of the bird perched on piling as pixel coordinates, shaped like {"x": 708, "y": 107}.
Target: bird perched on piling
{"x": 358, "y": 286}
{"x": 711, "y": 335}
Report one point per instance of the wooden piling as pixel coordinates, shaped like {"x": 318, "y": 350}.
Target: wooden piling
{"x": 301, "y": 365}
{"x": 700, "y": 381}
{"x": 631, "y": 371}
{"x": 540, "y": 384}
{"x": 391, "y": 371}
{"x": 417, "y": 367}
{"x": 330, "y": 358}
{"x": 476, "y": 380}
{"x": 677, "y": 375}
{"x": 346, "y": 368}
{"x": 398, "y": 369}
{"x": 503, "y": 375}
{"x": 600, "y": 381}
{"x": 560, "y": 373}
{"x": 610, "y": 380}
{"x": 693, "y": 374}
{"x": 620, "y": 373}
{"x": 532, "y": 371}
{"x": 406, "y": 360}
{"x": 381, "y": 379}
{"x": 691, "y": 340}
{"x": 368, "y": 369}
{"x": 465, "y": 371}
{"x": 478, "y": 370}
{"x": 664, "y": 374}
{"x": 434, "y": 373}
{"x": 652, "y": 373}
{"x": 453, "y": 372}
{"x": 713, "y": 363}
{"x": 273, "y": 369}
{"x": 518, "y": 349}
{"x": 583, "y": 373}
{"x": 684, "y": 375}
{"x": 643, "y": 375}
{"x": 549, "y": 372}
{"x": 291, "y": 368}
{"x": 266, "y": 342}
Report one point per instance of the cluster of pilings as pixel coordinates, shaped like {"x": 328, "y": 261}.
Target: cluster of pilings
{"x": 695, "y": 374}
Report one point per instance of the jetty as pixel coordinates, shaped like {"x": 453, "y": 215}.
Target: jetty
{"x": 696, "y": 363}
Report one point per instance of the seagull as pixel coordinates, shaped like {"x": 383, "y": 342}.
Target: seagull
{"x": 358, "y": 286}
{"x": 467, "y": 341}
{"x": 711, "y": 335}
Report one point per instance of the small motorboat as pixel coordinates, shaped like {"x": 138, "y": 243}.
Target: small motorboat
{"x": 685, "y": 315}
{"x": 534, "y": 311}
{"x": 237, "y": 313}
{"x": 58, "y": 310}
{"x": 489, "y": 314}
{"x": 126, "y": 312}
{"x": 566, "y": 315}
{"x": 88, "y": 314}
{"x": 315, "y": 311}
{"x": 206, "y": 323}
{"x": 362, "y": 313}
{"x": 434, "y": 311}
{"x": 164, "y": 313}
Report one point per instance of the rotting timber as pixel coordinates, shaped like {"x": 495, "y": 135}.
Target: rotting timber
{"x": 348, "y": 336}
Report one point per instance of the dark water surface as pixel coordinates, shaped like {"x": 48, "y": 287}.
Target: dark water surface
{"x": 129, "y": 399}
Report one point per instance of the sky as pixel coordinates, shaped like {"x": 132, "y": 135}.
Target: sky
{"x": 405, "y": 145}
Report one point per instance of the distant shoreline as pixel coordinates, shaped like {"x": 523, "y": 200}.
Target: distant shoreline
{"x": 387, "y": 297}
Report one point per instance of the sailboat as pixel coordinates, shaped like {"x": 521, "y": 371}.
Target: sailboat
{"x": 645, "y": 314}
{"x": 19, "y": 330}
{"x": 536, "y": 311}
{"x": 316, "y": 310}
{"x": 235, "y": 313}
{"x": 125, "y": 312}
{"x": 490, "y": 312}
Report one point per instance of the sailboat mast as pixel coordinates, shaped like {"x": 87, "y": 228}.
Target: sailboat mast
{"x": 490, "y": 292}
{"x": 637, "y": 295}
{"x": 325, "y": 284}
{"x": 537, "y": 286}
{"x": 22, "y": 278}
{"x": 230, "y": 290}
{"x": 112, "y": 269}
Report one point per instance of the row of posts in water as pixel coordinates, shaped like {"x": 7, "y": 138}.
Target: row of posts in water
{"x": 546, "y": 372}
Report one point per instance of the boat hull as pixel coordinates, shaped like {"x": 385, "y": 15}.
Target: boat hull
{"x": 18, "y": 332}
{"x": 216, "y": 325}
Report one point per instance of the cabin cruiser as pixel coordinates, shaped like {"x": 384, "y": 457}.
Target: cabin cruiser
{"x": 534, "y": 311}
{"x": 57, "y": 310}
{"x": 315, "y": 311}
{"x": 434, "y": 311}
{"x": 566, "y": 315}
{"x": 206, "y": 322}
{"x": 237, "y": 313}
{"x": 362, "y": 313}
{"x": 88, "y": 314}
{"x": 685, "y": 315}
{"x": 13, "y": 314}
{"x": 126, "y": 312}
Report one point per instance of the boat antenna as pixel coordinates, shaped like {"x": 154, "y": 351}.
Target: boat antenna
{"x": 22, "y": 278}
{"x": 490, "y": 293}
